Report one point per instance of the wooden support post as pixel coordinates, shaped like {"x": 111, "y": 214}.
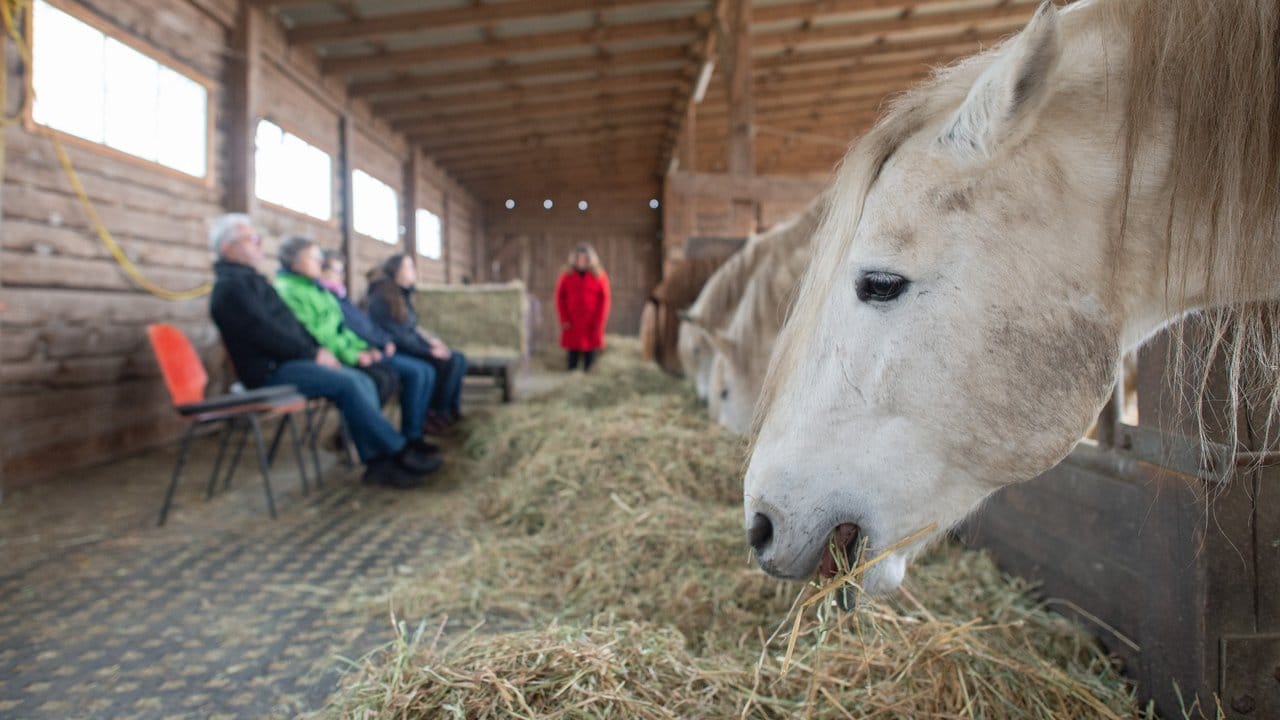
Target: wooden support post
{"x": 445, "y": 228}
{"x": 346, "y": 216}
{"x": 244, "y": 90}
{"x": 689, "y": 139}
{"x": 409, "y": 206}
{"x": 735, "y": 58}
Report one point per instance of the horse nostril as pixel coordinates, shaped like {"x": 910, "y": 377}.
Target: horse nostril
{"x": 760, "y": 533}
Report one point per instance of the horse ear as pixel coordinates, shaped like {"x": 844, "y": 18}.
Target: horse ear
{"x": 1007, "y": 96}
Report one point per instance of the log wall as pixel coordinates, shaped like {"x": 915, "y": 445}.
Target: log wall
{"x": 78, "y": 384}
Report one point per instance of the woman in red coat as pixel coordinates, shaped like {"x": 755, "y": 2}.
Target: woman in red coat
{"x": 582, "y": 301}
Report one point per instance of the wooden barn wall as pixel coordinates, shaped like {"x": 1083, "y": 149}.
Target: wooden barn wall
{"x": 532, "y": 244}
{"x": 709, "y": 205}
{"x": 78, "y": 384}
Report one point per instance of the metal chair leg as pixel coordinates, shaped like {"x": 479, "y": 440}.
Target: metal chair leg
{"x": 235, "y": 459}
{"x": 275, "y": 444}
{"x": 229, "y": 429}
{"x": 262, "y": 462}
{"x": 177, "y": 472}
{"x": 313, "y": 414}
{"x": 297, "y": 451}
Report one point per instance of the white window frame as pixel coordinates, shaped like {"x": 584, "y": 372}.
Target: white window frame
{"x": 266, "y": 187}
{"x": 429, "y": 247}
{"x": 168, "y": 69}
{"x": 385, "y": 230}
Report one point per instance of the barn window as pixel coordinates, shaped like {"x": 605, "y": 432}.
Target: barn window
{"x": 429, "y": 242}
{"x": 94, "y": 87}
{"x": 376, "y": 206}
{"x": 292, "y": 173}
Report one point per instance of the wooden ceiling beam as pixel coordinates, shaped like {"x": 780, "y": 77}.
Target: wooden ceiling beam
{"x": 564, "y": 92}
{"x": 562, "y": 120}
{"x": 405, "y": 23}
{"x": 602, "y": 103}
{"x": 553, "y": 159}
{"x": 515, "y": 147}
{"x": 959, "y": 20}
{"x": 531, "y": 131}
{"x": 554, "y": 169}
{"x": 507, "y": 46}
{"x": 604, "y": 64}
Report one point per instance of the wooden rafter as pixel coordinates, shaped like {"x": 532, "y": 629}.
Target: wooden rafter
{"x": 516, "y": 45}
{"x": 406, "y": 23}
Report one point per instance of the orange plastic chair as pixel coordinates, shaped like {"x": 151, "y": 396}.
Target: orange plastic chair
{"x": 186, "y": 379}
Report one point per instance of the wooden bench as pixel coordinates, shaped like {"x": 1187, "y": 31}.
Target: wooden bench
{"x": 502, "y": 369}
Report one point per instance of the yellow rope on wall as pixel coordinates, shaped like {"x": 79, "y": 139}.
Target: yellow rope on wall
{"x": 10, "y": 10}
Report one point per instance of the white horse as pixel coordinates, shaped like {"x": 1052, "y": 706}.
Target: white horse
{"x": 991, "y": 249}
{"x": 743, "y": 346}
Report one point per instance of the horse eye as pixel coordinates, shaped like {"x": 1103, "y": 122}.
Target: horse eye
{"x": 877, "y": 286}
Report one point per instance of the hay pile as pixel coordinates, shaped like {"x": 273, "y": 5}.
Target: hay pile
{"x": 607, "y": 536}
{"x": 483, "y": 320}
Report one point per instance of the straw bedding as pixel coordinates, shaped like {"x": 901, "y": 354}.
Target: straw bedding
{"x": 607, "y": 544}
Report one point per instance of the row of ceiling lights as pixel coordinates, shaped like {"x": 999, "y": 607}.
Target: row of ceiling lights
{"x": 582, "y": 204}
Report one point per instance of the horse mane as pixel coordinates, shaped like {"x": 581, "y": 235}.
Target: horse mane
{"x": 1214, "y": 68}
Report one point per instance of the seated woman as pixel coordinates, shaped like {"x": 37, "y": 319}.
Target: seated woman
{"x": 320, "y": 313}
{"x": 391, "y": 307}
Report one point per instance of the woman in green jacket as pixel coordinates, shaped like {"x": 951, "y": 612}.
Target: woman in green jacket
{"x": 301, "y": 263}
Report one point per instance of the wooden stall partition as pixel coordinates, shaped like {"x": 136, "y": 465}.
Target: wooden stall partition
{"x": 1177, "y": 573}
{"x": 710, "y": 205}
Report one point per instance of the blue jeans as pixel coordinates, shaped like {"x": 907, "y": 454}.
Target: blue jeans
{"x": 447, "y": 400}
{"x": 356, "y": 397}
{"x": 417, "y": 383}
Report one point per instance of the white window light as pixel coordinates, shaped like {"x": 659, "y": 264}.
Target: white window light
{"x": 99, "y": 89}
{"x": 582, "y": 205}
{"x": 547, "y": 204}
{"x": 292, "y": 173}
{"x": 376, "y": 207}
{"x": 511, "y": 204}
{"x": 429, "y": 242}
{"x": 653, "y": 203}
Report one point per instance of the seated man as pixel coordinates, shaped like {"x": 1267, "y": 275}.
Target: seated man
{"x": 391, "y": 307}
{"x": 318, "y": 311}
{"x": 268, "y": 346}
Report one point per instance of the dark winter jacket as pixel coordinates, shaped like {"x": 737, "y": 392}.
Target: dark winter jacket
{"x": 259, "y": 331}
{"x": 404, "y": 332}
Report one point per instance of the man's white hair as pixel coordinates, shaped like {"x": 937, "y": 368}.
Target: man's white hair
{"x": 223, "y": 230}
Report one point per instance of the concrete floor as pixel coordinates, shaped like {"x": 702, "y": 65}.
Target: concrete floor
{"x": 222, "y": 612}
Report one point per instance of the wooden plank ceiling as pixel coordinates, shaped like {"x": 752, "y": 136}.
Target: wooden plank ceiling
{"x": 514, "y": 96}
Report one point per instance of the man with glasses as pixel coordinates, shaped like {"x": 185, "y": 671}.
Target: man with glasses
{"x": 268, "y": 346}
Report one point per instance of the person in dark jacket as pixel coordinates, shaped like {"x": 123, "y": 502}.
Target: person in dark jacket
{"x": 268, "y": 346}
{"x": 417, "y": 378}
{"x": 391, "y": 307}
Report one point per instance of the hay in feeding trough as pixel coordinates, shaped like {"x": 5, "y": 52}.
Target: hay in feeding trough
{"x": 606, "y": 527}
